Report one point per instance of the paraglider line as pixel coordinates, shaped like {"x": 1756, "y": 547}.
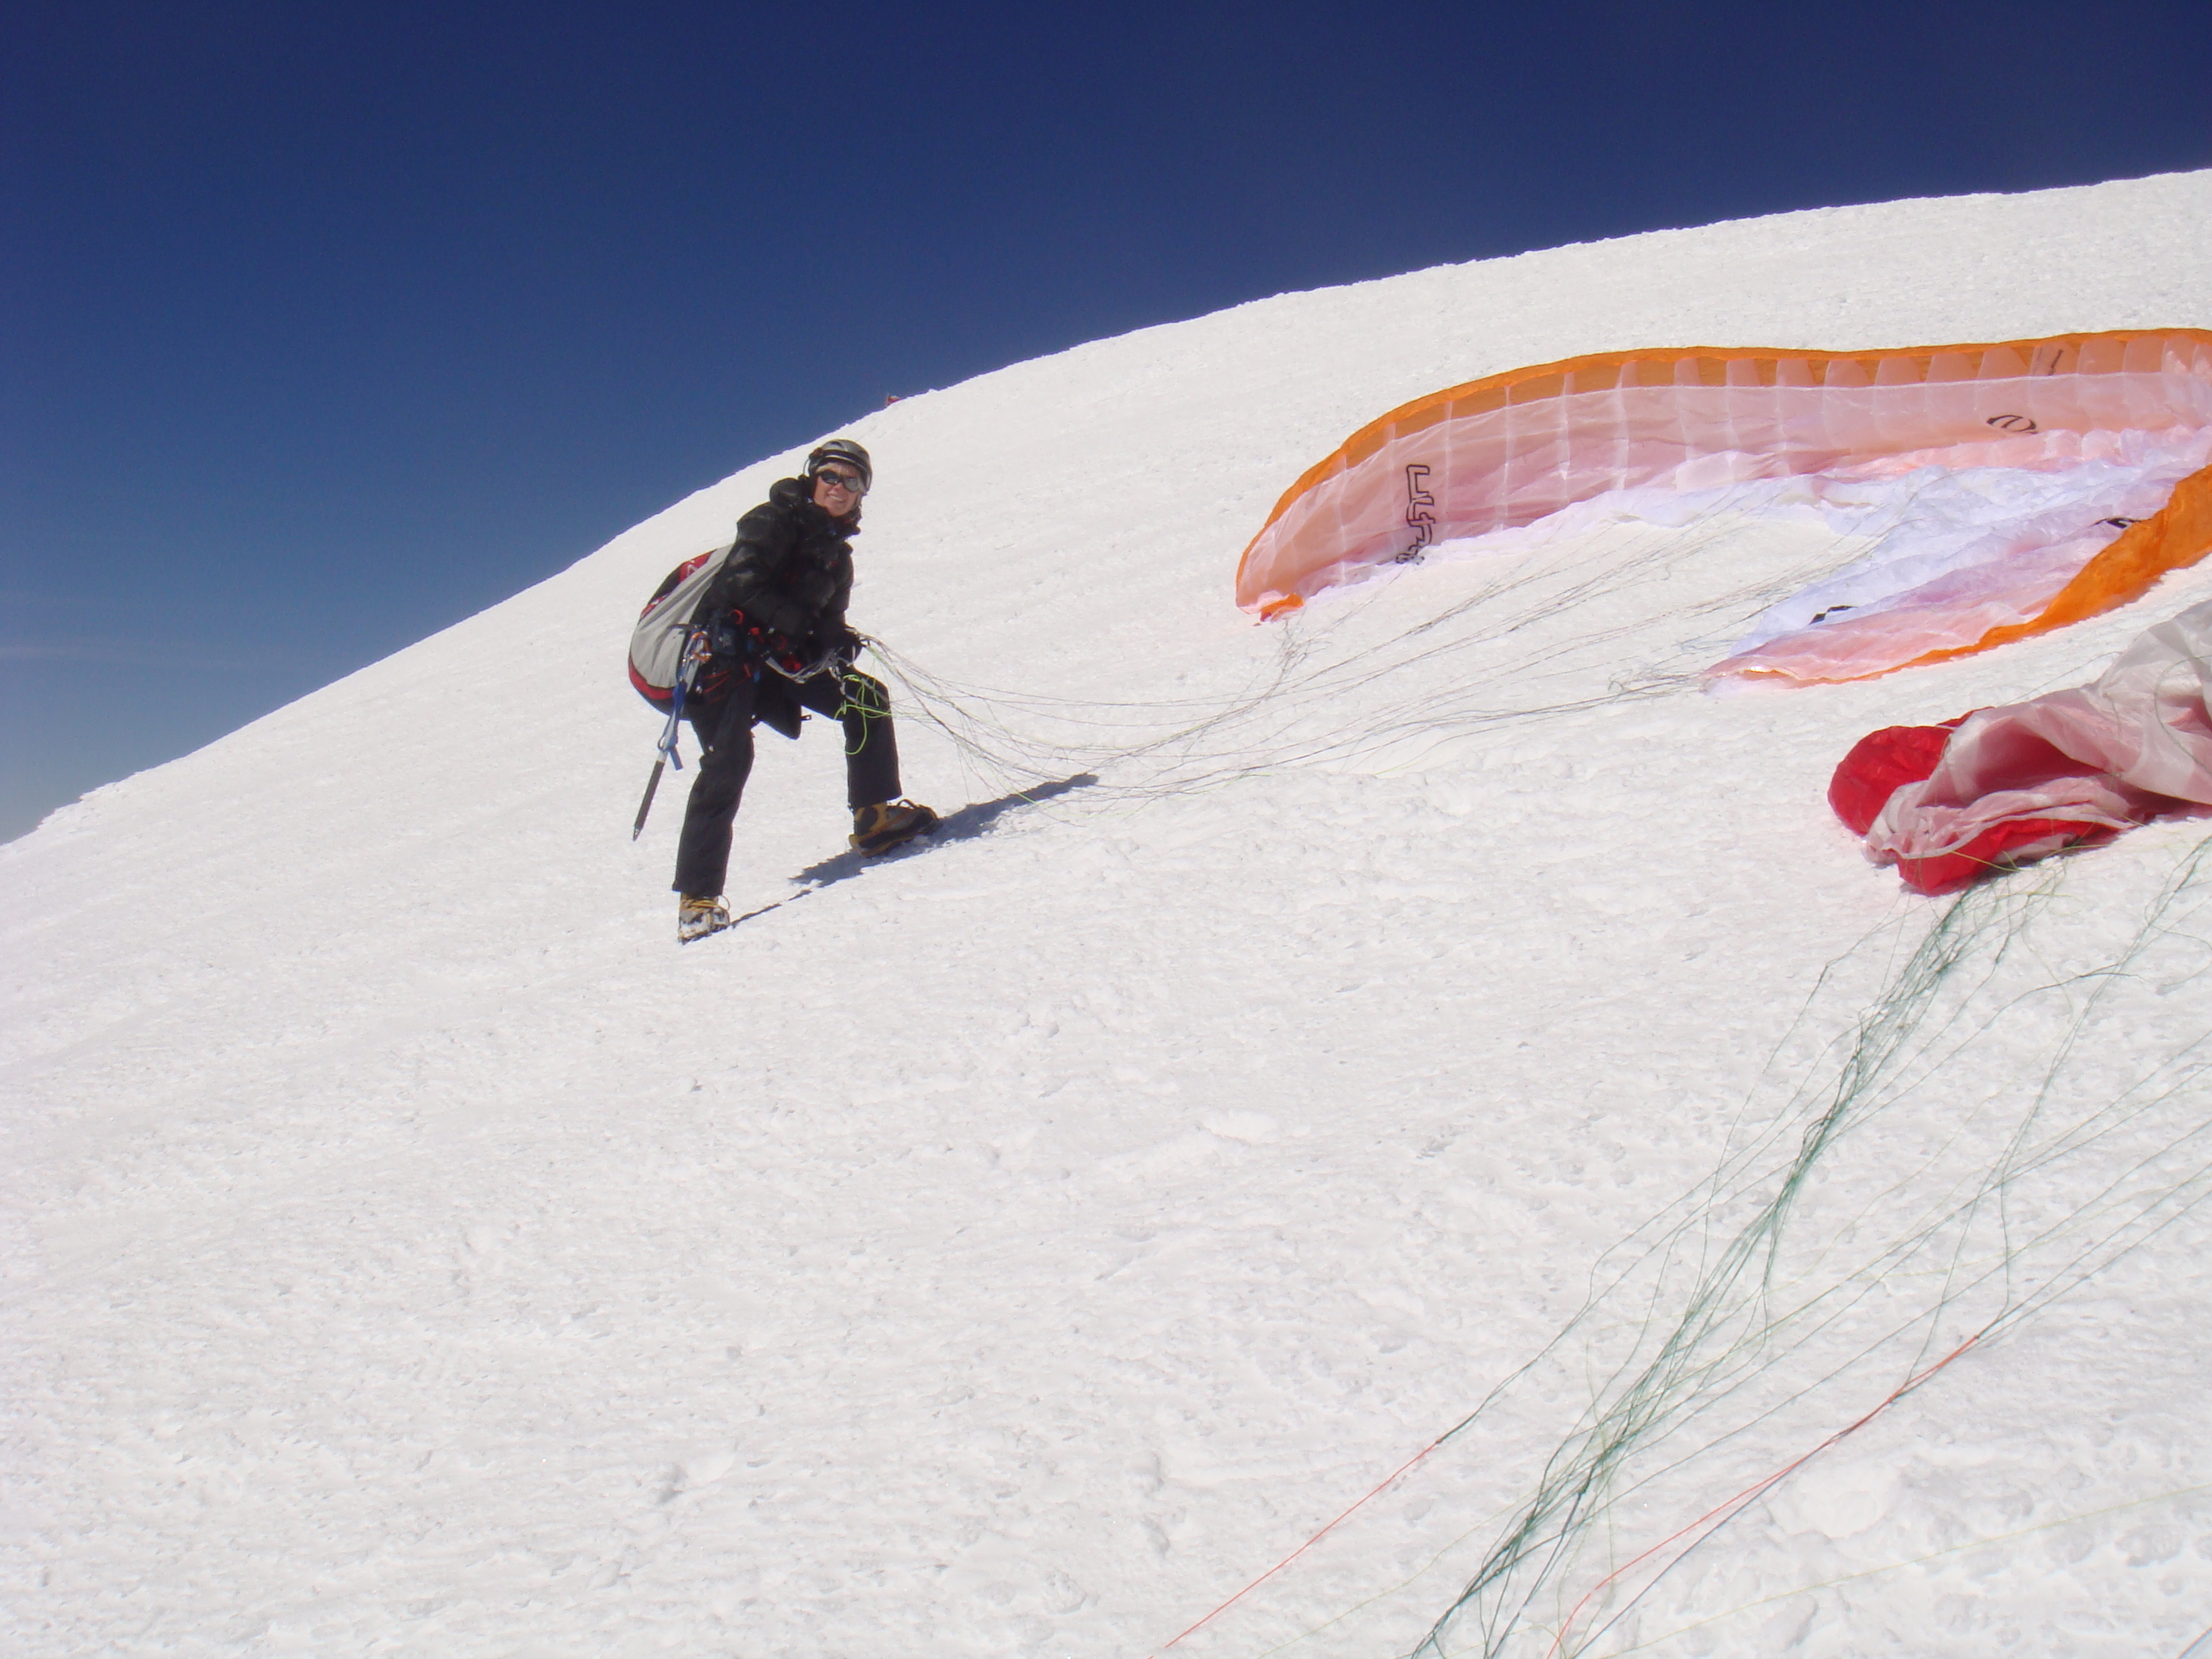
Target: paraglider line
{"x": 1387, "y": 1482}
{"x": 1713, "y": 1519}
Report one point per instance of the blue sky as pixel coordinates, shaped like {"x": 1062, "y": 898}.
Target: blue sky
{"x": 322, "y": 327}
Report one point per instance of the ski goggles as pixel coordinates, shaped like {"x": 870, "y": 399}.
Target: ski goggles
{"x": 849, "y": 482}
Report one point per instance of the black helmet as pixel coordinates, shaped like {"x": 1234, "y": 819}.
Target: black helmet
{"x": 844, "y": 450}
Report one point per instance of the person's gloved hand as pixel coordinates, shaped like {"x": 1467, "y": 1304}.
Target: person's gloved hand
{"x": 816, "y": 656}
{"x": 828, "y": 653}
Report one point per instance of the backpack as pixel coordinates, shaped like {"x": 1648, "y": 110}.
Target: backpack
{"x": 656, "y": 644}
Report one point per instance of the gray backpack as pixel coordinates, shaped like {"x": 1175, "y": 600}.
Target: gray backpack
{"x": 656, "y": 644}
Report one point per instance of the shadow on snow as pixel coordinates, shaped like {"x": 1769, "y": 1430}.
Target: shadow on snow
{"x": 968, "y": 822}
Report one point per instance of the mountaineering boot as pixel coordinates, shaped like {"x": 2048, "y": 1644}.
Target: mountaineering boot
{"x": 695, "y": 918}
{"x": 889, "y": 823}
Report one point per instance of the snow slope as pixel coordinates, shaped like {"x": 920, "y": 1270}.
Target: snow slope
{"x": 1019, "y": 1247}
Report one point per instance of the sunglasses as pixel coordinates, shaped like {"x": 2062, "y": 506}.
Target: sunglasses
{"x": 849, "y": 482}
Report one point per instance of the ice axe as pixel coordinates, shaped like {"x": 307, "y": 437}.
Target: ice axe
{"x": 695, "y": 652}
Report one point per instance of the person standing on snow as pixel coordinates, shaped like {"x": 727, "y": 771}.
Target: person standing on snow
{"x": 774, "y": 619}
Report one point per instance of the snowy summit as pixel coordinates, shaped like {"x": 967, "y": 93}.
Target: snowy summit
{"x": 1430, "y": 1029}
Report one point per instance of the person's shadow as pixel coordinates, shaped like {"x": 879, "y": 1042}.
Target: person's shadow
{"x": 966, "y": 824}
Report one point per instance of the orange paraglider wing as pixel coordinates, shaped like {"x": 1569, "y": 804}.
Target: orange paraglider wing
{"x": 1504, "y": 452}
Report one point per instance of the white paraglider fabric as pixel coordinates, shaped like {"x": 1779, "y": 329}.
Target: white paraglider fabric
{"x": 1957, "y": 550}
{"x": 1960, "y": 551}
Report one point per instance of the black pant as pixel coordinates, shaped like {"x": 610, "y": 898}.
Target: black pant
{"x": 724, "y": 731}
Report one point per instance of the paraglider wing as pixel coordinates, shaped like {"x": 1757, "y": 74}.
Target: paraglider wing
{"x": 1508, "y": 451}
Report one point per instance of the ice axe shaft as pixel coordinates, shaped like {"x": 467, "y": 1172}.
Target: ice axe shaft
{"x": 695, "y": 652}
{"x": 645, "y": 805}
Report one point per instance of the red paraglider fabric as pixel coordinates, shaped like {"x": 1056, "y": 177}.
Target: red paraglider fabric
{"x": 1883, "y": 762}
{"x": 2004, "y": 786}
{"x": 1878, "y": 763}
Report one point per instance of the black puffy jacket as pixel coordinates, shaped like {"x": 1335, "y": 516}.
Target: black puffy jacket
{"x": 791, "y": 571}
